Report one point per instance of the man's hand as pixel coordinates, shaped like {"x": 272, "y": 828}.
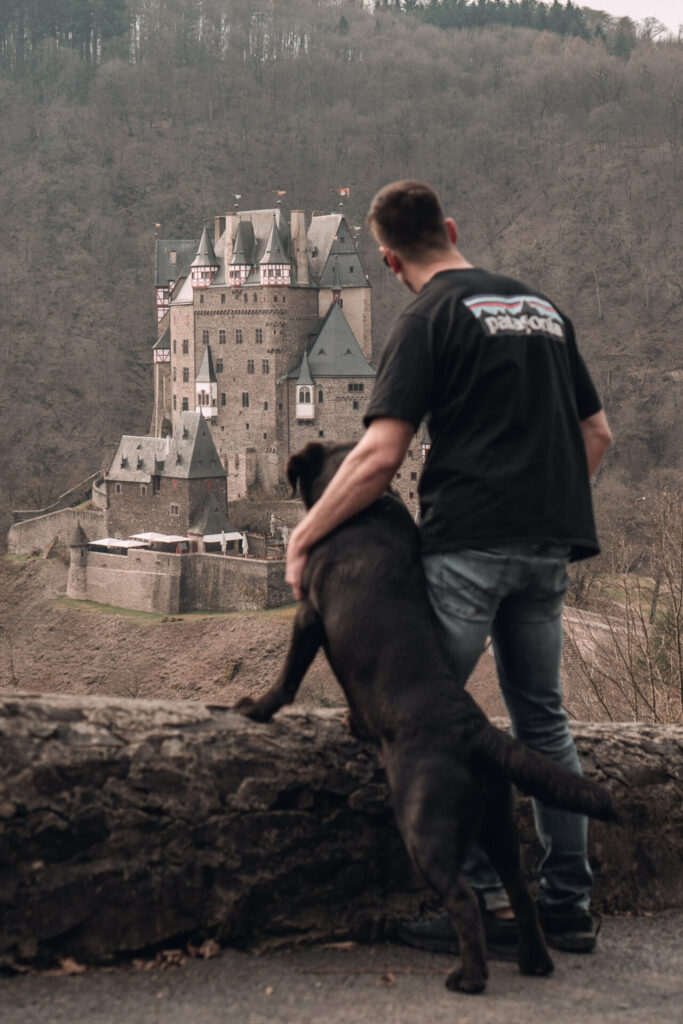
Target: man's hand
{"x": 297, "y": 553}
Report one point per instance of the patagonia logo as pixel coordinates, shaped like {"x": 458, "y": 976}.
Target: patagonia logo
{"x": 516, "y": 314}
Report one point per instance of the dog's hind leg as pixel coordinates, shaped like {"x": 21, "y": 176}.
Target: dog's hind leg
{"x": 438, "y": 818}
{"x": 500, "y": 839}
{"x": 307, "y": 637}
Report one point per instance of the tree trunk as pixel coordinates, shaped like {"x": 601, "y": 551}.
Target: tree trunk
{"x": 127, "y": 823}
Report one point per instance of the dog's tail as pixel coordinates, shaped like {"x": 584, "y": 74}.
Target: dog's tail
{"x": 538, "y": 776}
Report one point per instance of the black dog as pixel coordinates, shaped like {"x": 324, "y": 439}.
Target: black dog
{"x": 449, "y": 769}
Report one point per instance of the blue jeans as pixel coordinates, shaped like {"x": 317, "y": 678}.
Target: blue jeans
{"x": 515, "y": 593}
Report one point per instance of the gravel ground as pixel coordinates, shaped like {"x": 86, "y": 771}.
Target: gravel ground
{"x": 635, "y": 977}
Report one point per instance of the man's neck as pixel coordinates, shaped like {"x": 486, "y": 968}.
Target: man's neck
{"x": 416, "y": 275}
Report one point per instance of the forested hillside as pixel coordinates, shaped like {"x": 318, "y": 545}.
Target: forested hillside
{"x": 557, "y": 147}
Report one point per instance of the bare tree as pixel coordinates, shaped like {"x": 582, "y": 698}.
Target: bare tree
{"x": 626, "y": 658}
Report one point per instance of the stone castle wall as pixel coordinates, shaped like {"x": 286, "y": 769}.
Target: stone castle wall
{"x": 169, "y": 584}
{"x": 34, "y": 534}
{"x": 135, "y": 509}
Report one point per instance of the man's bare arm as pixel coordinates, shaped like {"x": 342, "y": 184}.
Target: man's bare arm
{"x": 596, "y": 436}
{"x": 363, "y": 475}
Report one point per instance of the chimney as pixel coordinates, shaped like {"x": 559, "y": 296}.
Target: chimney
{"x": 299, "y": 253}
{"x": 218, "y": 228}
{"x": 231, "y": 224}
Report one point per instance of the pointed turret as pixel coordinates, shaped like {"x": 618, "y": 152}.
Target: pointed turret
{"x": 274, "y": 265}
{"x": 206, "y": 387}
{"x": 205, "y": 264}
{"x": 242, "y": 258}
{"x": 305, "y": 408}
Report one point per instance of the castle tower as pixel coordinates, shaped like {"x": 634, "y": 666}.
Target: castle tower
{"x": 77, "y": 586}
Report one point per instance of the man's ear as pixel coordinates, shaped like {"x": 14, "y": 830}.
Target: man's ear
{"x": 305, "y": 465}
{"x": 452, "y": 230}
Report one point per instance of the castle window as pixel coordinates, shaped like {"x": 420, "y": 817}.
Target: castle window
{"x": 156, "y": 484}
{"x": 219, "y": 366}
{"x": 321, "y": 433}
{"x": 304, "y": 396}
{"x": 186, "y": 346}
{"x": 237, "y": 462}
{"x": 174, "y": 346}
{"x": 265, "y": 366}
{"x": 413, "y": 476}
{"x": 410, "y": 453}
{"x": 221, "y": 337}
{"x": 265, "y": 405}
{"x": 175, "y": 403}
{"x": 186, "y": 405}
{"x": 398, "y": 476}
{"x": 143, "y": 489}
{"x": 224, "y": 398}
{"x": 247, "y": 426}
{"x": 118, "y": 488}
{"x": 320, "y": 395}
{"x": 223, "y": 299}
{"x": 238, "y": 336}
{"x": 356, "y": 387}
{"x": 412, "y": 494}
{"x": 274, "y": 298}
{"x": 205, "y": 337}
{"x": 259, "y": 335}
{"x": 201, "y": 299}
{"x": 245, "y": 399}
{"x": 265, "y": 436}
{"x": 175, "y": 510}
{"x": 255, "y": 297}
{"x": 186, "y": 374}
{"x": 355, "y": 403}
{"x": 351, "y": 269}
{"x": 250, "y": 365}
{"x": 246, "y": 297}
{"x": 174, "y": 373}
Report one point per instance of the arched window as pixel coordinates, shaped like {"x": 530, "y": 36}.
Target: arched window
{"x": 304, "y": 396}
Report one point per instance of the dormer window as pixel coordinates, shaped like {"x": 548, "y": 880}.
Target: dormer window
{"x": 275, "y": 274}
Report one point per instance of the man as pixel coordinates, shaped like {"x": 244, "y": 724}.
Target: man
{"x": 517, "y": 429}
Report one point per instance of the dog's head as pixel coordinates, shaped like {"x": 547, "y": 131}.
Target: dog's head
{"x": 314, "y": 466}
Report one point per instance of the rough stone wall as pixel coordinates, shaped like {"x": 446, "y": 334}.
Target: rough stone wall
{"x": 153, "y": 581}
{"x": 339, "y": 417}
{"x": 132, "y": 512}
{"x": 407, "y": 477}
{"x": 286, "y": 318}
{"x": 34, "y": 534}
{"x": 146, "y": 581}
{"x": 225, "y": 584}
{"x": 126, "y": 823}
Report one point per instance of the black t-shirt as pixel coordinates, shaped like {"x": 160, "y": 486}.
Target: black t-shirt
{"x": 493, "y": 369}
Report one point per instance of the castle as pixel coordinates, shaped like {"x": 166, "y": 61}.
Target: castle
{"x": 263, "y": 344}
{"x": 265, "y": 330}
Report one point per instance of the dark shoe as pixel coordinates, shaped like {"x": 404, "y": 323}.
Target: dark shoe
{"x": 572, "y": 931}
{"x": 439, "y": 936}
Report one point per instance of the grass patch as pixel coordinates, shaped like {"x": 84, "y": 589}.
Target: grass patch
{"x": 110, "y": 609}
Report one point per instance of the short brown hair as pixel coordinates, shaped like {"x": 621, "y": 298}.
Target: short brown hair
{"x": 407, "y": 217}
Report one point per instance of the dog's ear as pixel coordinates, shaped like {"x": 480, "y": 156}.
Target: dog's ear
{"x": 304, "y": 466}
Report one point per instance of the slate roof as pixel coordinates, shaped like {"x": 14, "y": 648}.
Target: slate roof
{"x": 206, "y": 373}
{"x": 304, "y": 371}
{"x": 167, "y": 273}
{"x": 189, "y": 454}
{"x": 243, "y": 245}
{"x": 211, "y": 518}
{"x": 205, "y": 256}
{"x": 335, "y": 352}
{"x": 275, "y": 251}
{"x": 164, "y": 342}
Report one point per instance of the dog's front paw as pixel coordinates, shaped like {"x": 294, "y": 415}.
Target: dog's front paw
{"x": 539, "y": 963}
{"x": 251, "y": 708}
